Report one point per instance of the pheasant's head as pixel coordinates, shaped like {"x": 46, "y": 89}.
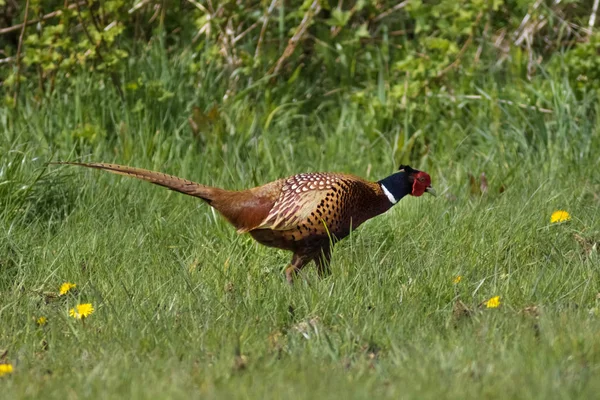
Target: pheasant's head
{"x": 420, "y": 181}
{"x": 407, "y": 181}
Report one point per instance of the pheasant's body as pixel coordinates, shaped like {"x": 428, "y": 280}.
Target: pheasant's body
{"x": 305, "y": 213}
{"x": 312, "y": 209}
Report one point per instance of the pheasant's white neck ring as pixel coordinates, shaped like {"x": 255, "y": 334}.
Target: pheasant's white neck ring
{"x": 389, "y": 195}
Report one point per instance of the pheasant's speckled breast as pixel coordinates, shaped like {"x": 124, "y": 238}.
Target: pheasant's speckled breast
{"x": 314, "y": 208}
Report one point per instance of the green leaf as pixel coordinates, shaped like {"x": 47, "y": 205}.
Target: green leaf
{"x": 362, "y": 32}
{"x": 339, "y": 18}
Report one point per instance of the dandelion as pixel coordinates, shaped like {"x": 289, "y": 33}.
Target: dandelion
{"x": 494, "y": 302}
{"x": 6, "y": 369}
{"x": 41, "y": 321}
{"x": 457, "y": 280}
{"x": 81, "y": 311}
{"x": 66, "y": 288}
{"x": 560, "y": 216}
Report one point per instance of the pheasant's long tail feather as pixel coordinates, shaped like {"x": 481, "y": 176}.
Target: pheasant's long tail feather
{"x": 169, "y": 181}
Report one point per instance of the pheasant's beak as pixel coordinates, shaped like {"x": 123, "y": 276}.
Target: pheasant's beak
{"x": 431, "y": 191}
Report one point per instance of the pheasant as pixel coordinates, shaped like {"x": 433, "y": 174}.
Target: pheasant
{"x": 305, "y": 213}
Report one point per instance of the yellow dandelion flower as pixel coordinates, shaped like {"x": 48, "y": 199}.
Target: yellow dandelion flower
{"x": 66, "y": 288}
{"x": 81, "y": 311}
{"x": 494, "y": 302}
{"x": 457, "y": 279}
{"x": 560, "y": 216}
{"x": 41, "y": 321}
{"x": 6, "y": 369}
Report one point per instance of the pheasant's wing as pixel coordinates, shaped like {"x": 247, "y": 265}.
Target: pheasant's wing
{"x": 299, "y": 199}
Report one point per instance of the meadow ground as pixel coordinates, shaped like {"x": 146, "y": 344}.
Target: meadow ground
{"x": 186, "y": 308}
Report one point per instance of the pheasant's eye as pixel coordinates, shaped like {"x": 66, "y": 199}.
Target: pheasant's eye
{"x": 421, "y": 179}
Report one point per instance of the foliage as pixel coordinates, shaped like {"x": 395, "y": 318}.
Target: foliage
{"x": 380, "y": 51}
{"x": 78, "y": 39}
{"x": 582, "y": 64}
{"x": 396, "y": 62}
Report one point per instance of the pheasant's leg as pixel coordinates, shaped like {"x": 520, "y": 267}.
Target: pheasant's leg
{"x": 322, "y": 261}
{"x": 296, "y": 265}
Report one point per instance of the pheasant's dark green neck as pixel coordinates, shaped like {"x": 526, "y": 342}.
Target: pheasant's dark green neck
{"x": 396, "y": 186}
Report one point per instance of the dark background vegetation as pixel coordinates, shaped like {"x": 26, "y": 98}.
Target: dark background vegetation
{"x": 393, "y": 60}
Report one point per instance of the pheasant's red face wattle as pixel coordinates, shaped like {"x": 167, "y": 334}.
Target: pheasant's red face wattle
{"x": 421, "y": 183}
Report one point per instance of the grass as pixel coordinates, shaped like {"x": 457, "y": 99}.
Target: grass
{"x": 186, "y": 308}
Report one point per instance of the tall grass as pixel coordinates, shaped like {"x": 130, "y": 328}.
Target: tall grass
{"x": 187, "y": 308}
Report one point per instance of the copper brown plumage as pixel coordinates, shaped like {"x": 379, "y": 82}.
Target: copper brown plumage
{"x": 305, "y": 213}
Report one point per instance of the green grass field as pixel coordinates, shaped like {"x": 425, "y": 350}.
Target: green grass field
{"x": 186, "y": 308}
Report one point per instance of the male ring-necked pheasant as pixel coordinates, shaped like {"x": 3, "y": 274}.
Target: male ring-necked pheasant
{"x": 305, "y": 213}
